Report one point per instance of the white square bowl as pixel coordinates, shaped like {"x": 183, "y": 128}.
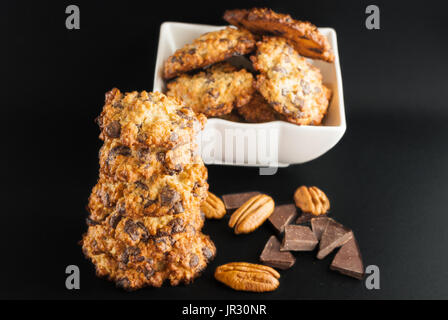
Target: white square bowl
{"x": 271, "y": 144}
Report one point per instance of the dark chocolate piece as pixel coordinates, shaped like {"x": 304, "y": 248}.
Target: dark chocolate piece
{"x": 348, "y": 260}
{"x": 318, "y": 225}
{"x": 334, "y": 236}
{"x": 305, "y": 218}
{"x": 236, "y": 200}
{"x": 298, "y": 238}
{"x": 282, "y": 216}
{"x": 273, "y": 257}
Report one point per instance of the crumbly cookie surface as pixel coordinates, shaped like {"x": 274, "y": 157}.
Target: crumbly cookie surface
{"x": 147, "y": 118}
{"x": 140, "y": 162}
{"x": 215, "y": 91}
{"x": 258, "y": 110}
{"x": 145, "y": 219}
{"x": 144, "y": 262}
{"x": 209, "y": 48}
{"x": 158, "y": 196}
{"x": 289, "y": 83}
{"x": 305, "y": 37}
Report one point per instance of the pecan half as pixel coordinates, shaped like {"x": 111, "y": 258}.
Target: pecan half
{"x": 213, "y": 207}
{"x": 311, "y": 200}
{"x": 245, "y": 276}
{"x": 252, "y": 214}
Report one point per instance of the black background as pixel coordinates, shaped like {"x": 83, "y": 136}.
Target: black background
{"x": 386, "y": 179}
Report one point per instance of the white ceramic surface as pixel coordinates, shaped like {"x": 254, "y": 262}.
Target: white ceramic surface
{"x": 270, "y": 144}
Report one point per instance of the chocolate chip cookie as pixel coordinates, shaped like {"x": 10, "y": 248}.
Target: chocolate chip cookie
{"x": 147, "y": 118}
{"x": 304, "y": 36}
{"x": 209, "y": 48}
{"x": 215, "y": 91}
{"x": 290, "y": 84}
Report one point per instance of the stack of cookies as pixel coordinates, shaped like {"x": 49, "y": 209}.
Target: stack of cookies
{"x": 277, "y": 83}
{"x": 145, "y": 219}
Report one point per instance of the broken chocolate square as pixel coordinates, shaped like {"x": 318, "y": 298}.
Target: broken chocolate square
{"x": 236, "y": 200}
{"x": 273, "y": 257}
{"x": 282, "y": 216}
{"x": 298, "y": 238}
{"x": 348, "y": 260}
{"x": 318, "y": 226}
{"x": 334, "y": 236}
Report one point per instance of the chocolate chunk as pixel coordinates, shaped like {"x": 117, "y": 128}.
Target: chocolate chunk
{"x": 131, "y": 229}
{"x": 161, "y": 244}
{"x": 90, "y": 222}
{"x": 282, "y": 216}
{"x": 208, "y": 254}
{"x": 298, "y": 238}
{"x": 304, "y": 218}
{"x": 273, "y": 257}
{"x": 334, "y": 236}
{"x": 128, "y": 252}
{"x": 178, "y": 207}
{"x": 118, "y": 150}
{"x": 104, "y": 197}
{"x": 145, "y": 232}
{"x": 318, "y": 225}
{"x": 141, "y": 185}
{"x": 236, "y": 200}
{"x": 148, "y": 272}
{"x": 177, "y": 225}
{"x": 124, "y": 257}
{"x": 348, "y": 260}
{"x": 148, "y": 203}
{"x": 123, "y": 283}
{"x": 118, "y": 105}
{"x": 144, "y": 154}
{"x": 121, "y": 208}
{"x": 169, "y": 197}
{"x": 194, "y": 261}
{"x": 115, "y": 219}
{"x": 113, "y": 130}
{"x": 183, "y": 115}
{"x": 161, "y": 156}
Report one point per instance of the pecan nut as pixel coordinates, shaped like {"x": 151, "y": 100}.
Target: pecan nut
{"x": 245, "y": 276}
{"x": 252, "y": 214}
{"x": 311, "y": 200}
{"x": 213, "y": 207}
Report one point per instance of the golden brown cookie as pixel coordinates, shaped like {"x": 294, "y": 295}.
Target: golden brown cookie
{"x": 148, "y": 118}
{"x": 158, "y": 196}
{"x": 178, "y": 258}
{"x": 291, "y": 85}
{"x": 145, "y": 218}
{"x": 258, "y": 110}
{"x": 215, "y": 91}
{"x": 305, "y": 37}
{"x": 141, "y": 162}
{"x": 209, "y": 48}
